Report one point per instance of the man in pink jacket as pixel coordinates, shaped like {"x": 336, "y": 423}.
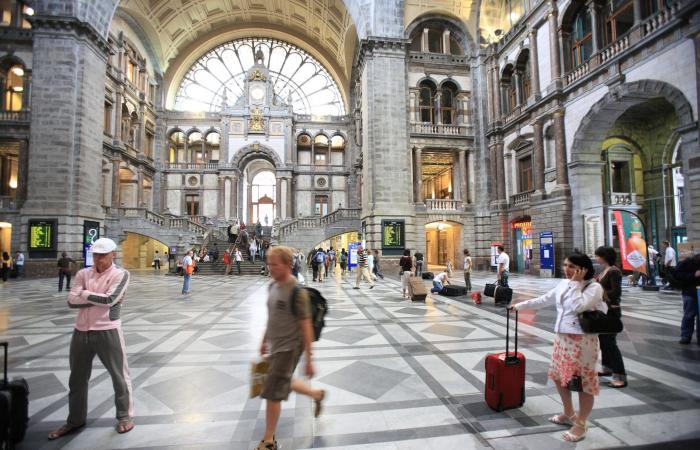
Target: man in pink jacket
{"x": 98, "y": 293}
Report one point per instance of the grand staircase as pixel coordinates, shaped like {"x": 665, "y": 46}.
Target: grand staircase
{"x": 219, "y": 268}
{"x": 307, "y": 232}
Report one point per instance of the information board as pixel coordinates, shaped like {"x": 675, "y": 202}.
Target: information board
{"x": 91, "y": 232}
{"x": 547, "y": 251}
{"x": 352, "y": 254}
{"x": 42, "y": 238}
{"x": 393, "y": 235}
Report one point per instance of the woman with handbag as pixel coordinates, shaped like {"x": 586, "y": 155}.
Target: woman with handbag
{"x": 575, "y": 353}
{"x": 611, "y": 281}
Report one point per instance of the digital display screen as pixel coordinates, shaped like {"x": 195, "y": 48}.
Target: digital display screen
{"x": 393, "y": 234}
{"x": 41, "y": 235}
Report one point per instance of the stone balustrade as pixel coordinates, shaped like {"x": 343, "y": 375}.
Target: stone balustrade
{"x": 183, "y": 223}
{"x": 437, "y": 58}
{"x": 660, "y": 19}
{"x": 192, "y": 166}
{"x": 14, "y": 116}
{"x": 443, "y": 204}
{"x": 521, "y": 198}
{"x": 440, "y": 129}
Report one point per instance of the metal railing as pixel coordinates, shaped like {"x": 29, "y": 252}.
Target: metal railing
{"x": 440, "y": 129}
{"x": 14, "y": 116}
{"x": 443, "y": 204}
{"x": 521, "y": 198}
{"x": 308, "y": 223}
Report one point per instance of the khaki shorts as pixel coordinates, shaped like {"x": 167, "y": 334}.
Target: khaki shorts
{"x": 279, "y": 376}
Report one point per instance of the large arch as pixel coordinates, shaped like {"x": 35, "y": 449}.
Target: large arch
{"x": 254, "y": 151}
{"x": 585, "y": 157}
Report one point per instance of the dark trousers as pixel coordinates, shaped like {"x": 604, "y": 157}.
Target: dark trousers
{"x": 314, "y": 268}
{"x": 156, "y": 264}
{"x": 691, "y": 318}
{"x": 377, "y": 270}
{"x": 238, "y": 267}
{"x": 468, "y": 280}
{"x": 419, "y": 268}
{"x": 61, "y": 276}
{"x": 611, "y": 356}
{"x": 5, "y": 273}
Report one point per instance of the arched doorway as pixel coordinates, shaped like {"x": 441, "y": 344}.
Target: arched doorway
{"x": 263, "y": 197}
{"x": 443, "y": 243}
{"x": 138, "y": 251}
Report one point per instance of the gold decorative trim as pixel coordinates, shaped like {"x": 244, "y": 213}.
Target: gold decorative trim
{"x": 256, "y": 122}
{"x": 257, "y": 76}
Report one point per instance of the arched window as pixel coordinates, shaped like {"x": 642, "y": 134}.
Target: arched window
{"x": 176, "y": 147}
{"x": 263, "y": 197}
{"x": 581, "y": 37}
{"x": 195, "y": 145}
{"x": 448, "y": 103}
{"x": 619, "y": 19}
{"x": 427, "y": 101}
{"x": 213, "y": 146}
{"x": 525, "y": 75}
{"x": 304, "y": 149}
{"x": 320, "y": 150}
{"x": 337, "y": 150}
{"x": 510, "y": 97}
{"x": 14, "y": 88}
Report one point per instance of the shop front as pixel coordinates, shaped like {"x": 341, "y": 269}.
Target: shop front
{"x": 522, "y": 245}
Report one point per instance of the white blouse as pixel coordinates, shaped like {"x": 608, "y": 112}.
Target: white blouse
{"x": 570, "y": 301}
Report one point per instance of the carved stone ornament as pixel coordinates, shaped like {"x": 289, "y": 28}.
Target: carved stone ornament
{"x": 257, "y": 76}
{"x": 256, "y": 122}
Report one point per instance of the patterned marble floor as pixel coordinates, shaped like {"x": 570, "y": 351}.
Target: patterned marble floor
{"x": 400, "y": 375}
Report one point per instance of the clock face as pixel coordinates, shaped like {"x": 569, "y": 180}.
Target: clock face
{"x": 257, "y": 93}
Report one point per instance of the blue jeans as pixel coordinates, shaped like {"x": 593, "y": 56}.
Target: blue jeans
{"x": 437, "y": 287}
{"x": 186, "y": 284}
{"x": 504, "y": 279}
{"x": 691, "y": 319}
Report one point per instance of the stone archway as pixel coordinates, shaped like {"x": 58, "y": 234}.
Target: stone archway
{"x": 255, "y": 151}
{"x": 585, "y": 161}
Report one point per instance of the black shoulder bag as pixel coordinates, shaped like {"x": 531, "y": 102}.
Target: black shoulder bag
{"x": 598, "y": 322}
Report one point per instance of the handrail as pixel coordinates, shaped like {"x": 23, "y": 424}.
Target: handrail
{"x": 436, "y": 204}
{"x": 521, "y": 198}
{"x": 442, "y": 129}
{"x": 157, "y": 219}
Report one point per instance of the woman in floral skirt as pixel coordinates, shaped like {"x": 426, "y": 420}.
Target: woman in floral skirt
{"x": 575, "y": 353}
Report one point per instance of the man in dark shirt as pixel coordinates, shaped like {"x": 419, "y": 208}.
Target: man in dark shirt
{"x": 419, "y": 264}
{"x": 687, "y": 275}
{"x": 64, "y": 271}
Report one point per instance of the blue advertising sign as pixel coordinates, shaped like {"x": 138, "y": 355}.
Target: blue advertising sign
{"x": 547, "y": 250}
{"x": 352, "y": 254}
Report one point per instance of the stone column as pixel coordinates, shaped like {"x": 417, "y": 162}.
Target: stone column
{"x": 489, "y": 96}
{"x": 438, "y": 108}
{"x": 234, "y": 198}
{"x": 493, "y": 189}
{"x": 418, "y": 175}
{"x": 463, "y": 176}
{"x": 554, "y": 56}
{"x": 469, "y": 169}
{"x": 496, "y": 94}
{"x": 221, "y": 204}
{"x": 278, "y": 198}
{"x": 118, "y": 114}
{"x": 519, "y": 100}
{"x": 446, "y": 42}
{"x": 249, "y": 206}
{"x": 593, "y": 11}
{"x": 142, "y": 130}
{"x": 501, "y": 173}
{"x": 139, "y": 187}
{"x": 538, "y": 156}
{"x": 560, "y": 149}
{"x": 289, "y": 183}
{"x": 223, "y": 142}
{"x": 115, "y": 182}
{"x": 534, "y": 64}
{"x": 424, "y": 41}
{"x": 637, "y": 8}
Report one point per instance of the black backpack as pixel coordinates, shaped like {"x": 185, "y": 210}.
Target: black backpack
{"x": 319, "y": 308}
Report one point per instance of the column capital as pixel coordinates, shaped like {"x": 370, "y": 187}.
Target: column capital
{"x": 49, "y": 26}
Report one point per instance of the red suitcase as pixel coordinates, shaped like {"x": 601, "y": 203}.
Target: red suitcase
{"x": 505, "y": 375}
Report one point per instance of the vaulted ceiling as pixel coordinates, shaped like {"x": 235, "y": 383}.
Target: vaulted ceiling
{"x": 175, "y": 26}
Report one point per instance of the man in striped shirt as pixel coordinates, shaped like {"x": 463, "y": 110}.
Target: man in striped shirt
{"x": 362, "y": 268}
{"x": 98, "y": 293}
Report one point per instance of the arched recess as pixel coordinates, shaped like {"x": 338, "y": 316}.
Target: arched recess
{"x": 139, "y": 247}
{"x": 586, "y": 160}
{"x": 443, "y": 242}
{"x": 437, "y": 21}
{"x": 253, "y": 151}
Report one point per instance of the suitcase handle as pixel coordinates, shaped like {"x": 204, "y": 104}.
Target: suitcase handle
{"x": 515, "y": 355}
{"x": 5, "y": 382}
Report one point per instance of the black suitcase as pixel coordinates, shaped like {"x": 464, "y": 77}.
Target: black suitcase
{"x": 14, "y": 408}
{"x": 490, "y": 289}
{"x": 503, "y": 295}
{"x": 453, "y": 291}
{"x": 428, "y": 275}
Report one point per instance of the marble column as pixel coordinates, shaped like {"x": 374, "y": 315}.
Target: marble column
{"x": 538, "y": 156}
{"x": 463, "y": 176}
{"x": 446, "y": 42}
{"x": 289, "y": 183}
{"x": 115, "y": 182}
{"x": 637, "y": 9}
{"x": 489, "y": 96}
{"x": 139, "y": 187}
{"x": 501, "y": 173}
{"x": 534, "y": 64}
{"x": 234, "y": 198}
{"x": 519, "y": 100}
{"x": 418, "y": 172}
{"x": 493, "y": 171}
{"x": 221, "y": 204}
{"x": 470, "y": 177}
{"x": 554, "y": 56}
{"x": 424, "y": 41}
{"x": 118, "y": 114}
{"x": 278, "y": 198}
{"x": 496, "y": 94}
{"x": 560, "y": 148}
{"x": 223, "y": 142}
{"x": 593, "y": 11}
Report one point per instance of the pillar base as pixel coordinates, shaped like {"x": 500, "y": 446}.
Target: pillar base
{"x": 561, "y": 190}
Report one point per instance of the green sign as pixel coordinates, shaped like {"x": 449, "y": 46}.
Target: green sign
{"x": 393, "y": 234}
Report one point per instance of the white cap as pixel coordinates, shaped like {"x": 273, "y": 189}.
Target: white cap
{"x": 103, "y": 245}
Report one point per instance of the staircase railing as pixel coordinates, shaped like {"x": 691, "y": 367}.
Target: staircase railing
{"x": 306, "y": 223}
{"x": 183, "y": 223}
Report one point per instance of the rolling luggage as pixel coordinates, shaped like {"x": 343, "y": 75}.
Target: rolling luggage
{"x": 451, "y": 290}
{"x": 490, "y": 289}
{"x": 476, "y": 296}
{"x": 416, "y": 289}
{"x": 503, "y": 295}
{"x": 14, "y": 408}
{"x": 505, "y": 375}
{"x": 428, "y": 275}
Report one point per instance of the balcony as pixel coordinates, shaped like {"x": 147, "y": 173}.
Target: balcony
{"x": 437, "y": 58}
{"x": 192, "y": 166}
{"x": 521, "y": 199}
{"x": 433, "y": 204}
{"x": 623, "y": 198}
{"x": 426, "y": 128}
{"x": 626, "y": 42}
{"x": 15, "y": 116}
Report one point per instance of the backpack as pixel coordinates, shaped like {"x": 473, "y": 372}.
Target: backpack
{"x": 343, "y": 258}
{"x": 320, "y": 257}
{"x": 319, "y": 308}
{"x": 681, "y": 277}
